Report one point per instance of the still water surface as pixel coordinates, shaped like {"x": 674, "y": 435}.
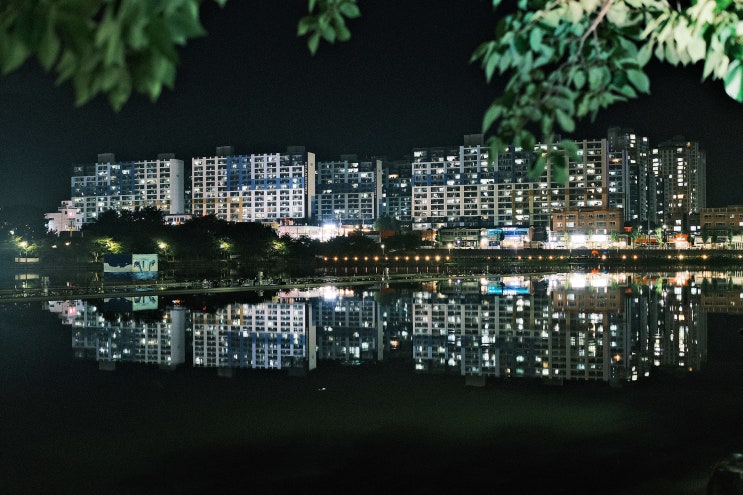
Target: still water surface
{"x": 561, "y": 383}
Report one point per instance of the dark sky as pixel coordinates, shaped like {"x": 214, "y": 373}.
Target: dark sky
{"x": 403, "y": 81}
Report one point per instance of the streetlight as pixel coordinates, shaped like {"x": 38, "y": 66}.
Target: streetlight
{"x": 382, "y": 246}
{"x": 24, "y": 245}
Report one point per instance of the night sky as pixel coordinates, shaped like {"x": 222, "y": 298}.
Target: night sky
{"x": 403, "y": 81}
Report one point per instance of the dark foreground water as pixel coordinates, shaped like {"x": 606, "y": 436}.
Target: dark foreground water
{"x": 70, "y": 425}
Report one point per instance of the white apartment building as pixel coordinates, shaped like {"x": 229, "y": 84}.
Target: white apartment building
{"x": 452, "y": 187}
{"x": 269, "y": 187}
{"x": 457, "y": 187}
{"x": 66, "y": 219}
{"x": 115, "y": 185}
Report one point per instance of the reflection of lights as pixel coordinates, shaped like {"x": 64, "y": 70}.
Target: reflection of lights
{"x": 578, "y": 280}
{"x": 599, "y": 282}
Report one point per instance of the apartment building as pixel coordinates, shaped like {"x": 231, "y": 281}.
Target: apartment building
{"x": 629, "y": 174}
{"x": 396, "y": 191}
{"x": 679, "y": 168}
{"x": 348, "y": 191}
{"x": 269, "y": 187}
{"x": 458, "y": 187}
{"x": 452, "y": 186}
{"x": 115, "y": 185}
{"x": 586, "y": 226}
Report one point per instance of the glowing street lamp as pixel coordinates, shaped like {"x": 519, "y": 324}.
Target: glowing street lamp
{"x": 24, "y": 245}
{"x": 382, "y": 246}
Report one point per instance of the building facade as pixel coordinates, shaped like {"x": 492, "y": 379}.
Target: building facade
{"x": 115, "y": 185}
{"x": 270, "y": 187}
{"x": 348, "y": 192}
{"x": 452, "y": 186}
{"x": 396, "y": 192}
{"x": 66, "y": 219}
{"x": 679, "y": 168}
{"x": 587, "y": 227}
{"x": 629, "y": 174}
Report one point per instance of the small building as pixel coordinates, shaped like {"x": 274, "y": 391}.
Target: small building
{"x": 587, "y": 227}
{"x": 66, "y": 219}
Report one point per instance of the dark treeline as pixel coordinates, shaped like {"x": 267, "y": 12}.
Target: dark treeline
{"x": 199, "y": 241}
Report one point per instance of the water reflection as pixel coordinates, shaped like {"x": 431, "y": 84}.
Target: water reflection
{"x": 612, "y": 328}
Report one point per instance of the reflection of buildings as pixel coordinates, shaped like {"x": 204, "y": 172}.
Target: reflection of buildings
{"x": 609, "y": 328}
{"x": 124, "y": 339}
{"x": 348, "y": 329}
{"x": 396, "y": 321}
{"x": 271, "y": 335}
{"x": 588, "y": 333}
{"x": 681, "y": 335}
{"x": 720, "y": 294}
{"x": 578, "y": 327}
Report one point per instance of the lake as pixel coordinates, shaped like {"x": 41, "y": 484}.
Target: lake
{"x": 619, "y": 383}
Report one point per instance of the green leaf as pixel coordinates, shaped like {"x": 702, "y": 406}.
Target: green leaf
{"x": 490, "y": 66}
{"x": 626, "y": 90}
{"x": 535, "y": 38}
{"x": 734, "y": 81}
{"x": 313, "y": 42}
{"x": 570, "y": 147}
{"x": 536, "y": 168}
{"x": 644, "y": 54}
{"x": 304, "y": 25}
{"x": 49, "y": 47}
{"x": 350, "y": 10}
{"x": 492, "y": 114}
{"x": 343, "y": 33}
{"x": 579, "y": 79}
{"x": 595, "y": 77}
{"x": 639, "y": 80}
{"x": 559, "y": 169}
{"x": 328, "y": 32}
{"x": 564, "y": 120}
{"x": 15, "y": 52}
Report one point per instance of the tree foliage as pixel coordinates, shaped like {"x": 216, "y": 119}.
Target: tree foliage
{"x": 100, "y": 46}
{"x": 564, "y": 61}
{"x": 561, "y": 61}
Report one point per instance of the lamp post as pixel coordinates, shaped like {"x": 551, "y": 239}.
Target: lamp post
{"x": 24, "y": 245}
{"x": 382, "y": 246}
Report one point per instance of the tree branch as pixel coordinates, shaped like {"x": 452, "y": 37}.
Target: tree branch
{"x": 592, "y": 28}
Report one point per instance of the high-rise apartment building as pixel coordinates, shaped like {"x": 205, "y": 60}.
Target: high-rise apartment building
{"x": 269, "y": 187}
{"x": 115, "y": 185}
{"x": 348, "y": 191}
{"x": 679, "y": 168}
{"x": 452, "y": 186}
{"x": 629, "y": 173}
{"x": 396, "y": 191}
{"x": 458, "y": 187}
